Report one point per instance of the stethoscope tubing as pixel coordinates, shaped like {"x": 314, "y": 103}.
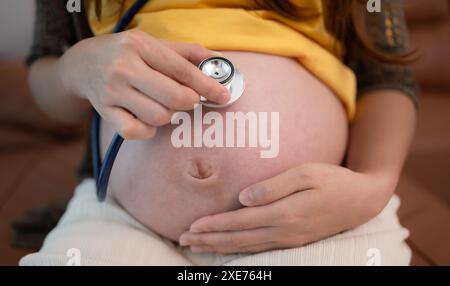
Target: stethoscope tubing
{"x": 102, "y": 172}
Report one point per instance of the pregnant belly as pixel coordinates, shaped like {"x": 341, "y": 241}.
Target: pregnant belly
{"x": 167, "y": 188}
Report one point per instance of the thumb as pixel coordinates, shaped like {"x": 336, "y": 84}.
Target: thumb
{"x": 192, "y": 52}
{"x": 265, "y": 192}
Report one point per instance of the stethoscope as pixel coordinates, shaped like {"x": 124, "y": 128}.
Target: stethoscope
{"x": 218, "y": 68}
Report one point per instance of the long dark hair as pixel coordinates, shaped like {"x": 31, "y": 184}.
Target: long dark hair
{"x": 339, "y": 16}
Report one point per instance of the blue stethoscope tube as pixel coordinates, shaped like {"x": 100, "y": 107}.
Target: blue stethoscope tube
{"x": 103, "y": 171}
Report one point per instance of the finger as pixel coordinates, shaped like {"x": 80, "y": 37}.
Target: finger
{"x": 241, "y": 219}
{"x": 192, "y": 52}
{"x": 163, "y": 89}
{"x": 245, "y": 249}
{"x": 228, "y": 242}
{"x": 278, "y": 187}
{"x": 176, "y": 67}
{"x": 128, "y": 126}
{"x": 144, "y": 108}
{"x": 260, "y": 247}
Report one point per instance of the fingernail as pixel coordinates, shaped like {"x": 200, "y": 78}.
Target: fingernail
{"x": 183, "y": 241}
{"x": 252, "y": 195}
{"x": 225, "y": 97}
{"x": 257, "y": 192}
{"x": 246, "y": 197}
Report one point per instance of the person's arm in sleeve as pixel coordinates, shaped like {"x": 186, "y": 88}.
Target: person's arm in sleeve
{"x": 383, "y": 127}
{"x": 54, "y": 33}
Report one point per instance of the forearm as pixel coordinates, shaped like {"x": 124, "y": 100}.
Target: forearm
{"x": 52, "y": 97}
{"x": 381, "y": 134}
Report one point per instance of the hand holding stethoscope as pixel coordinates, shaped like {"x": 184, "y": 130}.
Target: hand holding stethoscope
{"x": 140, "y": 81}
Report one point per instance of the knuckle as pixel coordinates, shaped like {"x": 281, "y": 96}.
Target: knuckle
{"x": 177, "y": 99}
{"x": 130, "y": 39}
{"x": 129, "y": 130}
{"x": 150, "y": 133}
{"x": 118, "y": 70}
{"x": 119, "y": 67}
{"x": 126, "y": 42}
{"x": 161, "y": 118}
{"x": 196, "y": 50}
{"x": 174, "y": 101}
{"x": 107, "y": 97}
{"x": 209, "y": 89}
{"x": 304, "y": 174}
{"x": 183, "y": 73}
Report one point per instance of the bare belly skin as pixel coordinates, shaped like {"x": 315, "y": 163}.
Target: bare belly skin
{"x": 168, "y": 188}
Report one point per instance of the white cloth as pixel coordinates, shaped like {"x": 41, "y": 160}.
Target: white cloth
{"x": 93, "y": 233}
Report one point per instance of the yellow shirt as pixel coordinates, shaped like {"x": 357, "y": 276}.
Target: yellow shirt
{"x": 236, "y": 25}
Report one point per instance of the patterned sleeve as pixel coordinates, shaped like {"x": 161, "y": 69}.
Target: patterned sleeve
{"x": 388, "y": 33}
{"x": 53, "y": 30}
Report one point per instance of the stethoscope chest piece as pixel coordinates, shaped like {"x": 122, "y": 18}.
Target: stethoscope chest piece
{"x": 223, "y": 71}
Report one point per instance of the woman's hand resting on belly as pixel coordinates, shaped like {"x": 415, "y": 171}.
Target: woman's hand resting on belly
{"x": 299, "y": 206}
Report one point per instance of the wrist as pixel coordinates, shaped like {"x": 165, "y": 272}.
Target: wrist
{"x": 66, "y": 76}
{"x": 379, "y": 189}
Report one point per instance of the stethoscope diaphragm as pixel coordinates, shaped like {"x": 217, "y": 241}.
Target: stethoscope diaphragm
{"x": 223, "y": 71}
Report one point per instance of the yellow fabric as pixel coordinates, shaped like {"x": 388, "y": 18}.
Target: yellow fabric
{"x": 237, "y": 25}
